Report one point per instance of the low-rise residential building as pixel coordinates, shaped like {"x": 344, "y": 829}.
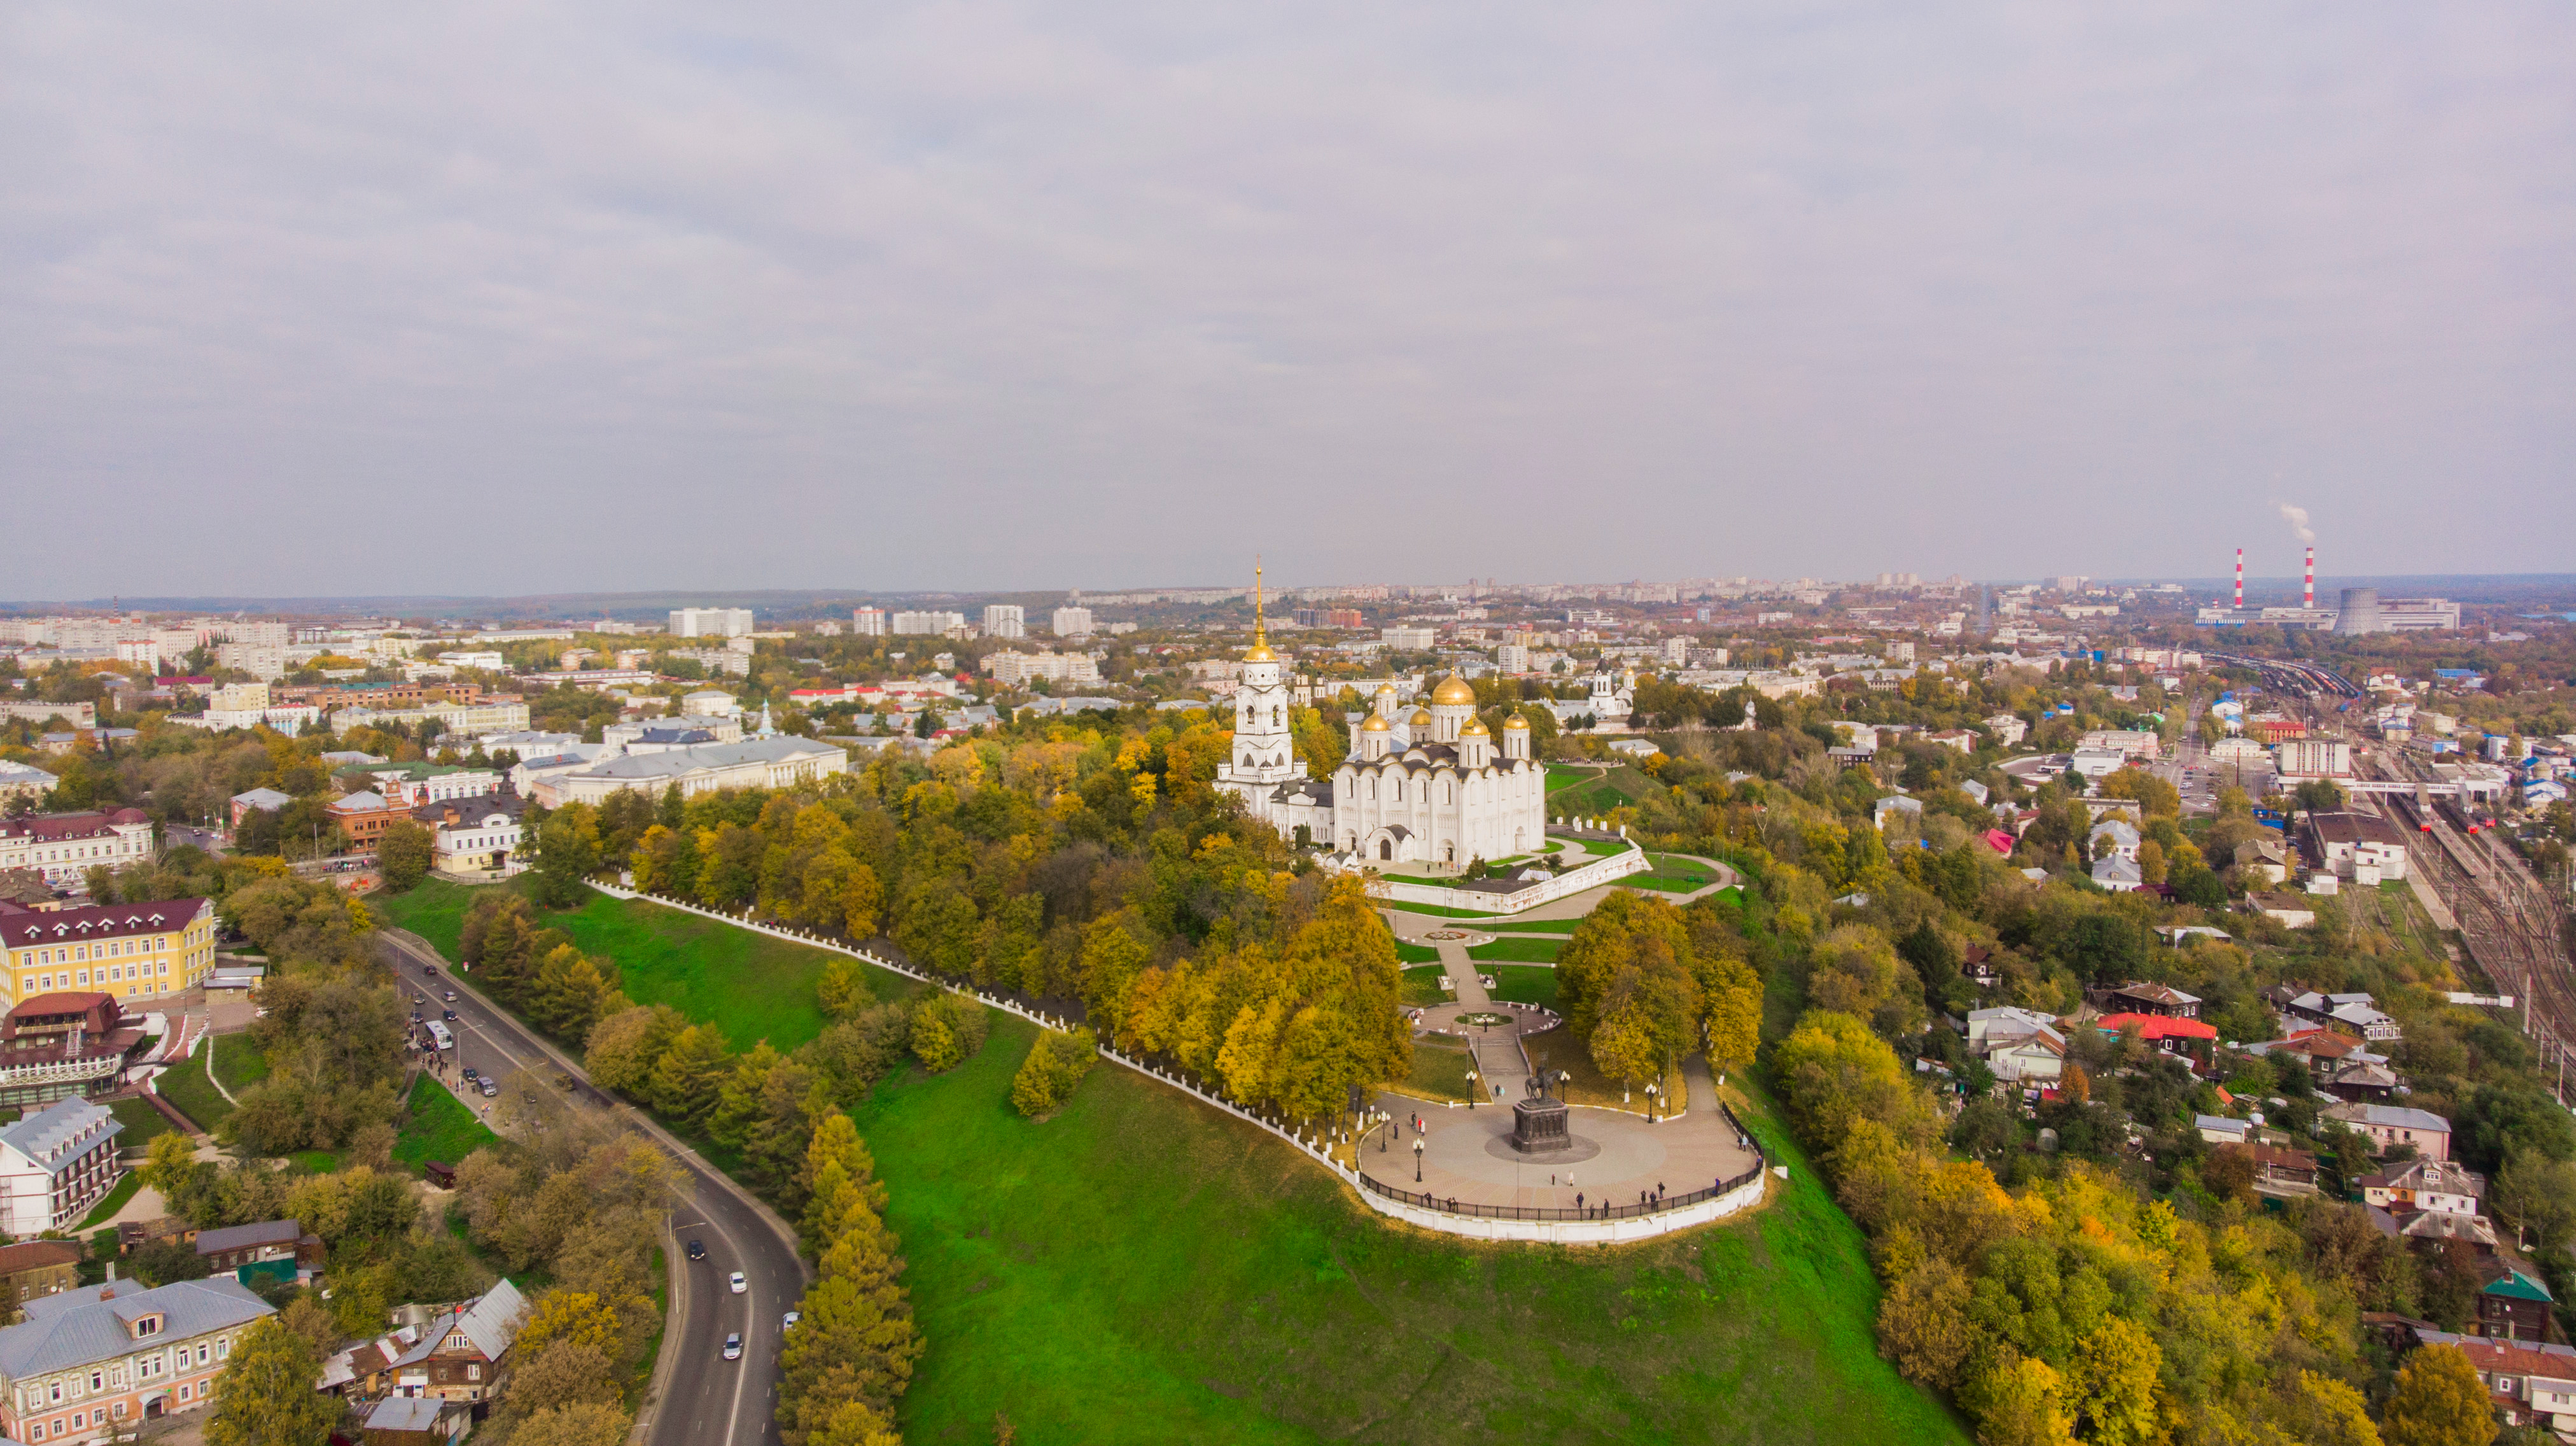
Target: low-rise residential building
{"x": 417, "y": 1421}
{"x": 2117, "y": 874}
{"x": 460, "y": 1353}
{"x": 2188, "y": 1039}
{"x": 2117, "y": 834}
{"x": 619, "y": 738}
{"x": 2513, "y": 1305}
{"x": 2358, "y": 846}
{"x": 2425, "y": 1185}
{"x": 2527, "y": 1384}
{"x": 2143, "y": 998}
{"x": 21, "y": 780}
{"x": 235, "y": 1246}
{"x": 55, "y": 1164}
{"x": 91, "y": 1360}
{"x": 2390, "y": 1125}
{"x": 478, "y": 834}
{"x": 258, "y": 800}
{"x": 2354, "y": 1014}
{"x": 2223, "y": 1130}
{"x": 62, "y": 847}
{"x": 132, "y": 951}
{"x": 2283, "y": 1173}
{"x": 2008, "y": 729}
{"x": 33, "y": 1268}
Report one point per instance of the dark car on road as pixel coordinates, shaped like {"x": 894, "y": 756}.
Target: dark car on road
{"x": 697, "y": 1250}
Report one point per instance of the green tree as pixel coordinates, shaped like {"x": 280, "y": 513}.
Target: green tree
{"x": 843, "y": 988}
{"x": 2115, "y": 1384}
{"x": 2438, "y": 1400}
{"x": 567, "y": 853}
{"x": 1056, "y": 1064}
{"x": 266, "y": 1395}
{"x": 403, "y": 852}
{"x": 688, "y": 1076}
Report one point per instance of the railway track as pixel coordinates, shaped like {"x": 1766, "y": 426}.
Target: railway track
{"x": 2512, "y": 929}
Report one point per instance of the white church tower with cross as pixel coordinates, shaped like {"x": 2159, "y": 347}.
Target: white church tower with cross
{"x": 1264, "y": 756}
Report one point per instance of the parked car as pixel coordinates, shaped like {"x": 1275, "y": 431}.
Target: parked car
{"x": 789, "y": 1323}
{"x": 733, "y": 1346}
{"x": 469, "y": 1072}
{"x": 490, "y": 1088}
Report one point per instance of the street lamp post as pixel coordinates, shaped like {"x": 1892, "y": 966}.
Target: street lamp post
{"x": 1651, "y": 1092}
{"x": 1417, "y": 1159}
{"x": 1471, "y": 1091}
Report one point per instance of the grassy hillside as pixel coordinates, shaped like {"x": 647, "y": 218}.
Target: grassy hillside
{"x": 1523, "y": 951}
{"x": 752, "y": 986}
{"x": 1142, "y": 1268}
{"x": 185, "y": 1084}
{"x": 1581, "y": 792}
{"x": 1232, "y": 1292}
{"x": 439, "y": 1127}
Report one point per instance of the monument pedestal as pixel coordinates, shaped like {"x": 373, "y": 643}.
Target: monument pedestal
{"x": 1538, "y": 1127}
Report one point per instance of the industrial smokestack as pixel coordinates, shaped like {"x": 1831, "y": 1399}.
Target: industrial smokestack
{"x": 2240, "y": 577}
{"x": 2308, "y": 596}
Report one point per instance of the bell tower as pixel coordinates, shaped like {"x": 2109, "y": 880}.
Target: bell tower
{"x": 1264, "y": 754}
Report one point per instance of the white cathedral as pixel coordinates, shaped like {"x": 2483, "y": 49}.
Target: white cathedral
{"x": 1430, "y": 787}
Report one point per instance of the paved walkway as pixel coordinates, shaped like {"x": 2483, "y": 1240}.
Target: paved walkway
{"x": 1497, "y": 1052}
{"x": 1467, "y": 1154}
{"x": 1411, "y": 927}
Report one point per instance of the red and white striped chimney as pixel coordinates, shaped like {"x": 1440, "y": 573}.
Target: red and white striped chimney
{"x": 2240, "y": 577}
{"x": 2308, "y": 597}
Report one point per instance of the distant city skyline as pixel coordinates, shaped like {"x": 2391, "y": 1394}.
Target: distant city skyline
{"x": 572, "y": 296}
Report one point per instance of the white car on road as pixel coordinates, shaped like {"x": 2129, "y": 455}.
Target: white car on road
{"x": 739, "y": 1284}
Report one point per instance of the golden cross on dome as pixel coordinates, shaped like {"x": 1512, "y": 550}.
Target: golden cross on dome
{"x": 1260, "y": 626}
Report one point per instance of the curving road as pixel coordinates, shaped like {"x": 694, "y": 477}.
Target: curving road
{"x": 698, "y": 1397}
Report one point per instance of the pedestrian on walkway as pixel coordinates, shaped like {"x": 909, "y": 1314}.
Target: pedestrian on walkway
{"x": 1578, "y": 1199}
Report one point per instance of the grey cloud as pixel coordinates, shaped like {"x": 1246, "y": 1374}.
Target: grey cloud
{"x": 985, "y": 294}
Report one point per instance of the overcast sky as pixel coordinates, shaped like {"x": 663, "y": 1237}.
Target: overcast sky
{"x": 490, "y": 298}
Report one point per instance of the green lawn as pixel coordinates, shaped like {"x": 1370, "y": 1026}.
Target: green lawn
{"x": 320, "y": 1162}
{"x": 1422, "y": 985}
{"x": 115, "y": 1201}
{"x": 185, "y": 1085}
{"x": 236, "y": 1062}
{"x": 1589, "y": 797}
{"x": 1439, "y": 1070}
{"x": 441, "y": 1127}
{"x": 1440, "y": 911}
{"x": 1601, "y": 848}
{"x": 750, "y": 985}
{"x": 1526, "y": 951}
{"x": 1534, "y": 926}
{"x": 1417, "y": 954}
{"x": 1524, "y": 984}
{"x": 1233, "y": 1292}
{"x": 142, "y": 1122}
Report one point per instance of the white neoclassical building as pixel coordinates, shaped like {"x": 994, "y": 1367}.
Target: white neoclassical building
{"x": 1431, "y": 786}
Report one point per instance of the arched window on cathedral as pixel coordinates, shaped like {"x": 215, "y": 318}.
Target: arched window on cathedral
{"x": 1448, "y": 793}
{"x": 1247, "y": 760}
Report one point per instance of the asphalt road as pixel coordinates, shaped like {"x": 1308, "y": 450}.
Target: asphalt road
{"x": 705, "y": 1398}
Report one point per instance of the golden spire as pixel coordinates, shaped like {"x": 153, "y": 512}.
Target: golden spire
{"x": 1260, "y": 626}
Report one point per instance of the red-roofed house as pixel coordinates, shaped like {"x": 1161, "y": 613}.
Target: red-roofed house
{"x": 2000, "y": 841}
{"x": 2187, "y": 1038}
{"x": 2529, "y": 1387}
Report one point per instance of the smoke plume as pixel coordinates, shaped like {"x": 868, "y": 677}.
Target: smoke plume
{"x": 2297, "y": 517}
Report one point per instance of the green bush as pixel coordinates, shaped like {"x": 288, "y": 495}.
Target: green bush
{"x": 947, "y": 1031}
{"x": 1055, "y": 1066}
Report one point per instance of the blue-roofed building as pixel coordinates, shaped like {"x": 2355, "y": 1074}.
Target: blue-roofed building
{"x": 91, "y": 1360}
{"x": 54, "y": 1165}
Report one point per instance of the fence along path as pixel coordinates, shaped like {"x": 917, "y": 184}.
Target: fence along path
{"x": 1481, "y": 1222}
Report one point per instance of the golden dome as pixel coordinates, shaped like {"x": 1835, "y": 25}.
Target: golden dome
{"x": 1385, "y": 689}
{"x": 1516, "y": 724}
{"x": 1454, "y": 689}
{"x": 1375, "y": 724}
{"x": 1261, "y": 654}
{"x": 1421, "y": 718}
{"x": 1474, "y": 729}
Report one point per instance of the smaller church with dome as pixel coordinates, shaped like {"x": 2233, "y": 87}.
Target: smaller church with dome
{"x": 1430, "y": 784}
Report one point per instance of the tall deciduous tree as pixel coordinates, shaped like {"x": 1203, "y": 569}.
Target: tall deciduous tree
{"x": 2438, "y": 1400}
{"x": 266, "y": 1395}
